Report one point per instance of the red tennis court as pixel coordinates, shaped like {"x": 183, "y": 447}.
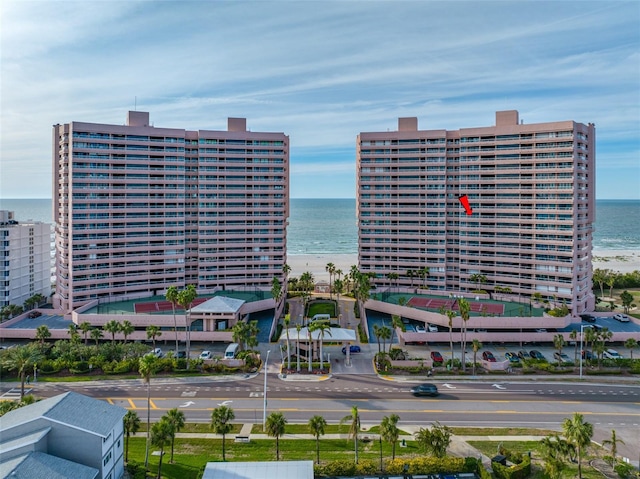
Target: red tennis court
{"x": 162, "y": 306}
{"x": 452, "y": 304}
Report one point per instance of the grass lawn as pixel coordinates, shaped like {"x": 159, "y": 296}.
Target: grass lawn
{"x": 192, "y": 455}
{"x": 324, "y": 307}
{"x": 490, "y": 448}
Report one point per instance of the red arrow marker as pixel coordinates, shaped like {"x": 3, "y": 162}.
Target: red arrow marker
{"x": 464, "y": 199}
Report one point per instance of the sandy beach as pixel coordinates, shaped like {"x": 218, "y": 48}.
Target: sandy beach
{"x": 623, "y": 261}
{"x": 316, "y": 264}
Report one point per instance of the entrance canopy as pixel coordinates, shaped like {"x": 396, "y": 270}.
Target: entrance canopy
{"x": 330, "y": 335}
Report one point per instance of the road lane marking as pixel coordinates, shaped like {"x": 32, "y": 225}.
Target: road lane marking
{"x": 110, "y": 401}
{"x": 131, "y": 403}
{"x": 153, "y": 406}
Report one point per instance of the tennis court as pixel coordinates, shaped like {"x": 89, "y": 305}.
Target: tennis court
{"x": 452, "y": 304}
{"x": 162, "y": 306}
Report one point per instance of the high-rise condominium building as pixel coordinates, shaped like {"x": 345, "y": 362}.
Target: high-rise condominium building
{"x": 531, "y": 188}
{"x": 25, "y": 267}
{"x": 140, "y": 208}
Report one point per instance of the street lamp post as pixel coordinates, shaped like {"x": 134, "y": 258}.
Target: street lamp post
{"x": 264, "y": 409}
{"x": 581, "y": 350}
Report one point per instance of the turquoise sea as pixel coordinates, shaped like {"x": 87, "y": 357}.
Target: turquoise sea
{"x": 318, "y": 226}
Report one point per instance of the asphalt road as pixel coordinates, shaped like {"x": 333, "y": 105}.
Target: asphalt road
{"x": 491, "y": 404}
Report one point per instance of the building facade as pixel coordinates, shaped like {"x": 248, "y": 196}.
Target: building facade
{"x": 25, "y": 268}
{"x": 531, "y": 188}
{"x": 140, "y": 208}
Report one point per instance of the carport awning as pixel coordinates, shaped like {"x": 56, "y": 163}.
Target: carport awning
{"x": 330, "y": 335}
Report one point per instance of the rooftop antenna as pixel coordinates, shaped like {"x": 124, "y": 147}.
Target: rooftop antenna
{"x": 135, "y": 103}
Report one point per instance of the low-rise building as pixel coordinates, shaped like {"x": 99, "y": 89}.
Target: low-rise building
{"x": 69, "y": 435}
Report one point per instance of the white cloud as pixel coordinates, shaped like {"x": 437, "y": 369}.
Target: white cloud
{"x": 319, "y": 71}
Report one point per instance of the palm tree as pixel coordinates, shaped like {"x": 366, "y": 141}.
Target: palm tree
{"x": 175, "y": 418}
{"x": 126, "y": 328}
{"x": 435, "y": 440}
{"x": 573, "y": 335}
{"x": 338, "y": 287}
{"x": 558, "y": 343}
{"x": 161, "y": 434}
{"x": 154, "y": 332}
{"x": 411, "y": 275}
{"x": 579, "y": 434}
{"x": 298, "y": 328}
{"x": 131, "y": 422}
{"x": 554, "y": 452}
{"x": 185, "y": 299}
{"x": 42, "y": 333}
{"x": 276, "y": 291}
{"x": 85, "y": 327}
{"x": 464, "y": 308}
{"x": 590, "y": 337}
{"x": 389, "y": 431}
{"x": 21, "y": 359}
{"x": 612, "y": 277}
{"x": 147, "y": 367}
{"x": 287, "y": 322}
{"x": 286, "y": 269}
{"x": 354, "y": 427}
{"x": 221, "y": 418}
{"x": 385, "y": 333}
{"x": 112, "y": 327}
{"x": 396, "y": 323}
{"x": 275, "y": 426}
{"x": 310, "y": 350}
{"x": 424, "y": 274}
{"x": 316, "y": 426}
{"x": 631, "y": 344}
{"x": 376, "y": 331}
{"x": 613, "y": 443}
{"x": 600, "y": 277}
{"x": 74, "y": 336}
{"x": 172, "y": 296}
{"x": 96, "y": 335}
{"x": 323, "y": 327}
{"x": 331, "y": 269}
{"x": 476, "y": 345}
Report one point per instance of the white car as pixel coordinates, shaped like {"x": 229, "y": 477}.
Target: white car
{"x": 206, "y": 355}
{"x": 420, "y": 328}
{"x": 623, "y": 318}
{"x": 157, "y": 352}
{"x": 611, "y": 354}
{"x": 432, "y": 328}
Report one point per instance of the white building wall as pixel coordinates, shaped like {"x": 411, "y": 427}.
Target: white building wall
{"x": 25, "y": 260}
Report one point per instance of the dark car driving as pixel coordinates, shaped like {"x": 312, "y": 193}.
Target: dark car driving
{"x": 426, "y": 389}
{"x": 352, "y": 349}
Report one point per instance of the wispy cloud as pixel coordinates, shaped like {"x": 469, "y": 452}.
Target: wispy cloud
{"x": 319, "y": 71}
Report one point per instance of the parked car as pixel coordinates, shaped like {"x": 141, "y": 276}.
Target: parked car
{"x": 561, "y": 357}
{"x": 426, "y": 389}
{"x": 541, "y": 330}
{"x": 611, "y": 354}
{"x": 512, "y": 357}
{"x": 354, "y": 348}
{"x": 180, "y": 355}
{"x": 432, "y": 328}
{"x": 206, "y": 355}
{"x": 623, "y": 318}
{"x": 488, "y": 356}
{"x": 157, "y": 352}
{"x": 588, "y": 318}
{"x": 535, "y": 354}
{"x": 35, "y": 314}
{"x": 586, "y": 354}
{"x": 436, "y": 357}
{"x": 420, "y": 328}
{"x": 522, "y": 354}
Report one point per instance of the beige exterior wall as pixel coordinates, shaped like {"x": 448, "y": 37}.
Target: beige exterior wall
{"x": 532, "y": 190}
{"x": 139, "y": 208}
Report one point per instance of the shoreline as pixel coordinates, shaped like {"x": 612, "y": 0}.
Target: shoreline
{"x": 622, "y": 261}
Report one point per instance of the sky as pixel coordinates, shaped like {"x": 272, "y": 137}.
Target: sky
{"x": 319, "y": 71}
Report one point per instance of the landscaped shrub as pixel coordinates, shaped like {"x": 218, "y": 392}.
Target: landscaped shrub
{"x": 517, "y": 471}
{"x": 367, "y": 466}
{"x": 276, "y": 334}
{"x": 47, "y": 366}
{"x": 136, "y": 470}
{"x": 426, "y": 465}
{"x": 335, "y": 468}
{"x": 79, "y": 367}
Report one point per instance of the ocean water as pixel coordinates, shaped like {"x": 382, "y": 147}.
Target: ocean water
{"x": 328, "y": 226}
